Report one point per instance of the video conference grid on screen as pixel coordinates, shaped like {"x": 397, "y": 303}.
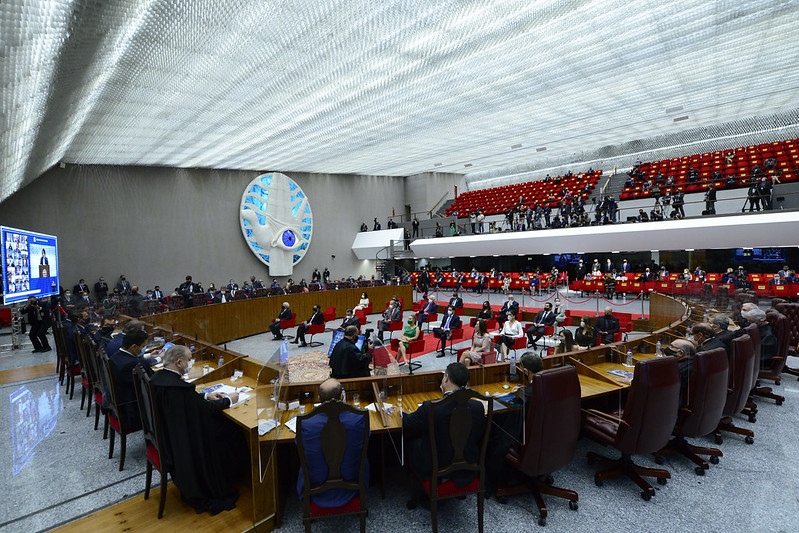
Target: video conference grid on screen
{"x": 30, "y": 264}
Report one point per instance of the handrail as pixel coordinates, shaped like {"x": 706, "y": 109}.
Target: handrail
{"x": 430, "y": 213}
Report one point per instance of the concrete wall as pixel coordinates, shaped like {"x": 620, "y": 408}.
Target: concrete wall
{"x": 156, "y": 225}
{"x": 422, "y": 191}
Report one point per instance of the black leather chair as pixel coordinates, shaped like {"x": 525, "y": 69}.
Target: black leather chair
{"x": 791, "y": 312}
{"x": 334, "y": 445}
{"x": 152, "y": 434}
{"x": 742, "y": 367}
{"x": 773, "y": 370}
{"x": 705, "y": 399}
{"x": 642, "y": 427}
{"x": 750, "y": 409}
{"x": 552, "y": 430}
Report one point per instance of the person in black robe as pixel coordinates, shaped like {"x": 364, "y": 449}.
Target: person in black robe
{"x": 347, "y": 361}
{"x": 204, "y": 452}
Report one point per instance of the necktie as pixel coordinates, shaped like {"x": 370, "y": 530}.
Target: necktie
{"x": 446, "y": 326}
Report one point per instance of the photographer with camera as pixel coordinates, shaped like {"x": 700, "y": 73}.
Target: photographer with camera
{"x": 39, "y": 320}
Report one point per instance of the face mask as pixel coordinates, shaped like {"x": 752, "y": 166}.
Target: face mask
{"x": 669, "y": 351}
{"x": 582, "y": 324}
{"x": 449, "y": 312}
{"x": 410, "y": 322}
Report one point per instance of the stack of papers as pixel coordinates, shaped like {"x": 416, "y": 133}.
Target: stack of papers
{"x": 266, "y": 425}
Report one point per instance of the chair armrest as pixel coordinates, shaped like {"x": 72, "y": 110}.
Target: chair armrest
{"x": 606, "y": 416}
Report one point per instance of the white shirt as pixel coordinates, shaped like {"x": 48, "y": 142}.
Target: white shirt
{"x": 512, "y": 330}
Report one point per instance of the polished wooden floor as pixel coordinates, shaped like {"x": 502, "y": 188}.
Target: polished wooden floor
{"x": 138, "y": 514}
{"x": 26, "y": 373}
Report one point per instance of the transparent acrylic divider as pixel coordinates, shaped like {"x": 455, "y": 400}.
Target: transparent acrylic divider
{"x": 275, "y": 413}
{"x": 504, "y": 383}
{"x": 382, "y": 396}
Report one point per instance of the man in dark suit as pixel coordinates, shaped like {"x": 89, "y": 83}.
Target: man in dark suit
{"x": 331, "y": 390}
{"x": 100, "y": 289}
{"x": 625, "y": 266}
{"x": 429, "y": 308}
{"x": 38, "y": 316}
{"x": 223, "y": 296}
{"x": 424, "y": 280}
{"x": 256, "y": 284}
{"x": 606, "y": 326}
{"x": 720, "y": 324}
{"x": 710, "y": 200}
{"x": 316, "y": 276}
{"x": 187, "y": 290}
{"x": 135, "y": 304}
{"x": 509, "y": 305}
{"x": 81, "y": 287}
{"x": 274, "y": 327}
{"x": 122, "y": 363}
{"x": 456, "y": 302}
{"x": 316, "y": 318}
{"x": 123, "y": 285}
{"x": 449, "y": 322}
{"x": 204, "y": 453}
{"x": 415, "y": 430}
{"x": 544, "y": 318}
{"x": 705, "y": 338}
{"x": 393, "y": 313}
{"x": 347, "y": 360}
{"x": 158, "y": 294}
{"x": 349, "y": 320}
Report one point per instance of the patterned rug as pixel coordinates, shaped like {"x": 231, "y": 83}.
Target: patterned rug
{"x": 313, "y": 367}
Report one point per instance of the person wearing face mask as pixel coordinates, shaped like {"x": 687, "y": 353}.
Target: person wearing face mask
{"x": 349, "y": 320}
{"x": 347, "y": 361}
{"x": 411, "y": 333}
{"x": 449, "y": 322}
{"x": 123, "y": 285}
{"x": 393, "y": 313}
{"x": 316, "y": 319}
{"x": 429, "y": 308}
{"x": 204, "y": 452}
{"x": 536, "y": 330}
{"x": 122, "y": 363}
{"x": 415, "y": 429}
{"x": 705, "y": 338}
{"x": 684, "y": 350}
{"x": 720, "y": 324}
{"x": 584, "y": 335}
{"x": 606, "y": 326}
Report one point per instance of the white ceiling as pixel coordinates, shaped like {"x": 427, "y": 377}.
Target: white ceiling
{"x": 395, "y": 87}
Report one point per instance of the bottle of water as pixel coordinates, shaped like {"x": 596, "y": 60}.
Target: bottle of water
{"x": 705, "y": 317}
{"x": 659, "y": 349}
{"x": 512, "y": 370}
{"x": 629, "y": 358}
{"x": 221, "y": 361}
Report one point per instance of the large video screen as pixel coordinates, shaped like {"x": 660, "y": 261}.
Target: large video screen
{"x": 30, "y": 264}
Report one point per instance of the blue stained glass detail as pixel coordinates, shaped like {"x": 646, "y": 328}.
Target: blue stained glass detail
{"x": 251, "y": 200}
{"x": 295, "y": 208}
{"x": 259, "y": 191}
{"x": 261, "y": 219}
{"x": 296, "y": 258}
{"x": 292, "y": 186}
{"x": 245, "y": 222}
{"x": 256, "y": 247}
{"x": 249, "y": 233}
{"x": 266, "y": 180}
{"x": 303, "y": 246}
{"x": 266, "y": 257}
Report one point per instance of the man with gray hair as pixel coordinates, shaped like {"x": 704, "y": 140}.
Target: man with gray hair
{"x": 204, "y": 452}
{"x": 705, "y": 338}
{"x": 684, "y": 351}
{"x": 721, "y": 324}
{"x": 769, "y": 344}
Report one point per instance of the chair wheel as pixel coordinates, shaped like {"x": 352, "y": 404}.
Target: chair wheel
{"x": 646, "y": 496}
{"x": 574, "y": 506}
{"x": 598, "y": 482}
{"x": 699, "y": 471}
{"x": 714, "y": 460}
{"x": 749, "y": 440}
{"x": 542, "y": 521}
{"x": 662, "y": 481}
{"x": 779, "y": 402}
{"x": 549, "y": 480}
{"x": 659, "y": 459}
{"x": 718, "y": 440}
{"x": 752, "y": 418}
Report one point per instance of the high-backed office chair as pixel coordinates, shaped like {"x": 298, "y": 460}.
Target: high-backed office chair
{"x": 439, "y": 485}
{"x": 791, "y": 312}
{"x": 705, "y": 399}
{"x": 116, "y": 415}
{"x": 773, "y": 370}
{"x": 332, "y": 449}
{"x": 742, "y": 367}
{"x": 152, "y": 435}
{"x": 67, "y": 370}
{"x": 642, "y": 427}
{"x": 552, "y": 430}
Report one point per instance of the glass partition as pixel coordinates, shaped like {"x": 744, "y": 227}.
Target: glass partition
{"x": 276, "y": 415}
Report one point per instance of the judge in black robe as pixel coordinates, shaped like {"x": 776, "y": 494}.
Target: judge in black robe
{"x": 204, "y": 452}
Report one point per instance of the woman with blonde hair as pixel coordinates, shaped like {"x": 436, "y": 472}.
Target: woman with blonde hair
{"x": 481, "y": 343}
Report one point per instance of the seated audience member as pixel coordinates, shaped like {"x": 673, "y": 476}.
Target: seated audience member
{"x": 349, "y": 320}
{"x": 481, "y": 343}
{"x": 415, "y": 430}
{"x": 769, "y": 345}
{"x": 411, "y": 333}
{"x": 509, "y": 305}
{"x": 122, "y": 363}
{"x": 584, "y": 335}
{"x": 393, "y": 313}
{"x": 705, "y": 338}
{"x": 316, "y": 319}
{"x": 347, "y": 361}
{"x": 449, "y": 322}
{"x": 204, "y": 453}
{"x": 330, "y": 390}
{"x": 607, "y": 325}
{"x": 363, "y": 303}
{"x": 720, "y": 324}
{"x": 429, "y": 308}
{"x": 544, "y": 318}
{"x": 456, "y": 302}
{"x": 684, "y": 350}
{"x": 566, "y": 342}
{"x": 274, "y": 327}
{"x": 486, "y": 313}
{"x": 776, "y": 280}
{"x": 510, "y": 331}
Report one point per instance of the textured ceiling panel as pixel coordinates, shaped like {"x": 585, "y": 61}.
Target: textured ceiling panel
{"x": 391, "y": 87}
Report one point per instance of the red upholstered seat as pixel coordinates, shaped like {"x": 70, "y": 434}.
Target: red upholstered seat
{"x": 353, "y": 506}
{"x": 152, "y": 454}
{"x": 451, "y": 489}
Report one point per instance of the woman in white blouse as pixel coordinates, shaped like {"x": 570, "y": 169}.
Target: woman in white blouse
{"x": 364, "y": 302}
{"x": 511, "y": 330}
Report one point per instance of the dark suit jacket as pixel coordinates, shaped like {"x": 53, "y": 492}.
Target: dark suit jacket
{"x": 317, "y": 318}
{"x": 77, "y": 289}
{"x": 457, "y": 303}
{"x": 285, "y": 314}
{"x": 609, "y": 324}
{"x": 351, "y": 321}
{"x": 454, "y": 321}
{"x": 123, "y": 286}
{"x": 539, "y": 318}
{"x": 415, "y": 428}
{"x": 504, "y": 309}
{"x": 430, "y": 308}
{"x": 100, "y": 290}
{"x": 122, "y": 364}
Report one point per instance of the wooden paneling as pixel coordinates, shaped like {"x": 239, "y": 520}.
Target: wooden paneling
{"x": 664, "y": 310}
{"x": 220, "y": 323}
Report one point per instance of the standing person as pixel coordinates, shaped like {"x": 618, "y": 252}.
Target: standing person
{"x": 100, "y": 289}
{"x": 764, "y": 188}
{"x": 753, "y": 195}
{"x": 677, "y": 202}
{"x": 710, "y": 200}
{"x": 316, "y": 277}
{"x": 123, "y": 285}
{"x": 39, "y": 320}
{"x": 377, "y": 226}
{"x": 480, "y": 221}
{"x": 415, "y": 226}
{"x": 473, "y": 221}
{"x": 81, "y": 287}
